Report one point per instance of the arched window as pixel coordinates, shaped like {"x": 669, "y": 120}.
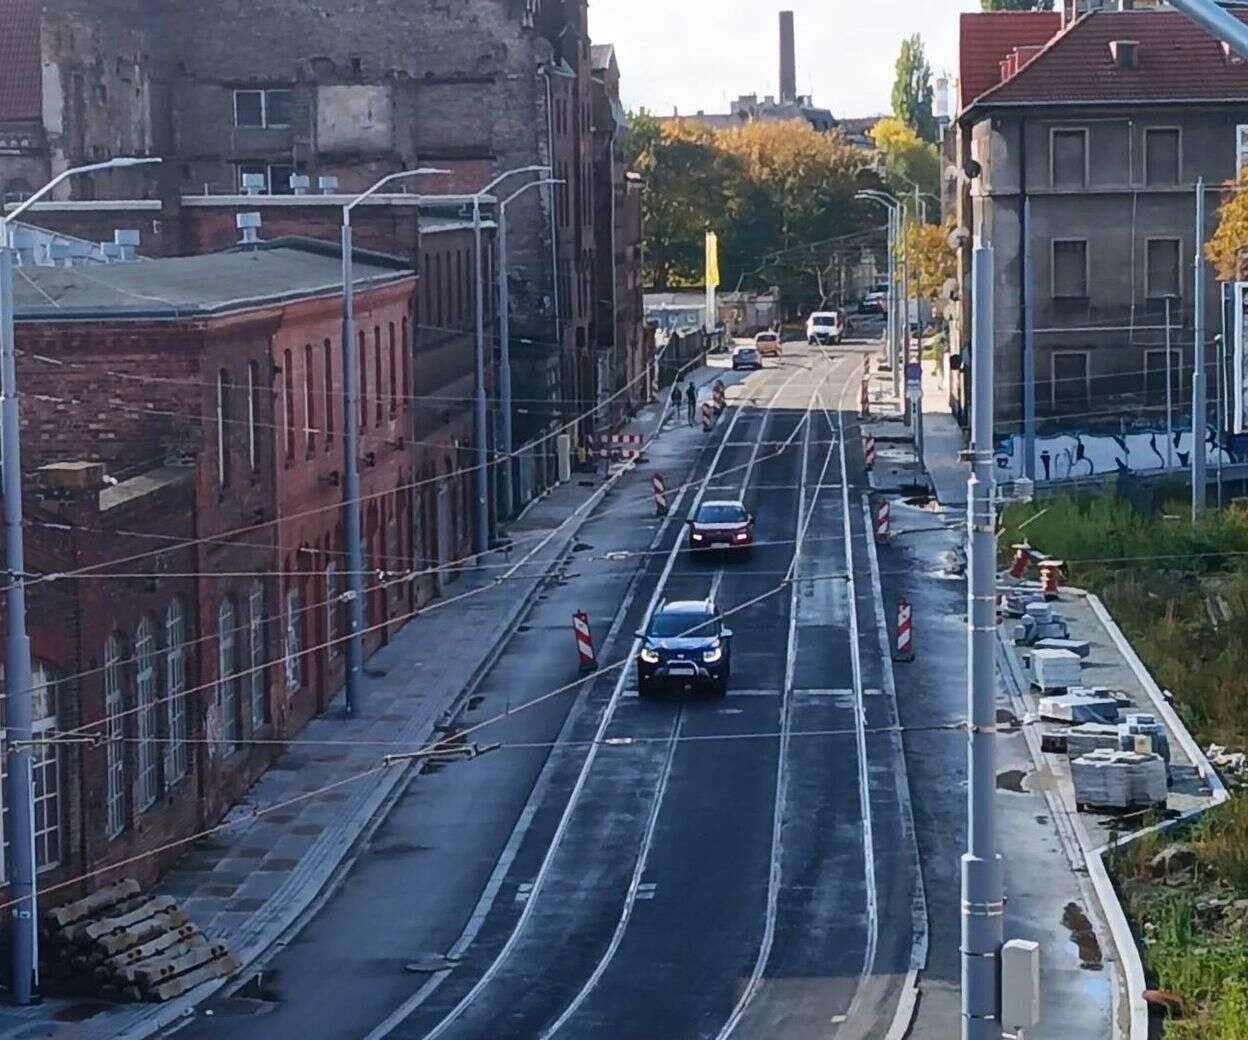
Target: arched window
{"x": 114, "y": 731}
{"x": 175, "y": 687}
{"x": 255, "y": 657}
{"x": 47, "y": 775}
{"x": 332, "y": 609}
{"x": 227, "y": 677}
{"x": 294, "y": 638}
{"x": 145, "y": 705}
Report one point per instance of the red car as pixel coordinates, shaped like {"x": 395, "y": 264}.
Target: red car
{"x": 726, "y": 525}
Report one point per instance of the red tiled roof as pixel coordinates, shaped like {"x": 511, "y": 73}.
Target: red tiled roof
{"x": 1177, "y": 61}
{"x": 988, "y": 39}
{"x": 21, "y": 96}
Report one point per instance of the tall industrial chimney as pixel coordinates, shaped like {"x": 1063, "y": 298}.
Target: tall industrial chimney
{"x": 788, "y": 59}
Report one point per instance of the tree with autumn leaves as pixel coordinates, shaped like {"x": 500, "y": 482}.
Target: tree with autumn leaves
{"x": 1228, "y": 249}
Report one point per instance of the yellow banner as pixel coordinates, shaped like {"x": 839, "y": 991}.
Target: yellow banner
{"x": 712, "y": 260}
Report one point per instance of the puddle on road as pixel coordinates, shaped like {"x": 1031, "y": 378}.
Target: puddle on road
{"x": 81, "y": 1011}
{"x": 1006, "y": 719}
{"x": 1011, "y": 780}
{"x": 1081, "y": 934}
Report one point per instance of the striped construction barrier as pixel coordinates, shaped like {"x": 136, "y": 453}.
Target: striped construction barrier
{"x": 620, "y": 447}
{"x": 719, "y": 392}
{"x": 708, "y": 416}
{"x": 584, "y": 641}
{"x": 868, "y": 450}
{"x": 883, "y": 523}
{"x": 660, "y": 494}
{"x": 905, "y": 632}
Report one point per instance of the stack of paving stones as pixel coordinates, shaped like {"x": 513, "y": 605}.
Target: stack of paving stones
{"x": 1108, "y": 779}
{"x": 121, "y": 944}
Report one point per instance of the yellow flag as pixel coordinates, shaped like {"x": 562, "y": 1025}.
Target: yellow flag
{"x": 712, "y": 260}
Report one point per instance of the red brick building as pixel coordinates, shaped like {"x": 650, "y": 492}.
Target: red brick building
{"x": 185, "y": 416}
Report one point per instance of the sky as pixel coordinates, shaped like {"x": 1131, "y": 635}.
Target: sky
{"x": 700, "y": 54}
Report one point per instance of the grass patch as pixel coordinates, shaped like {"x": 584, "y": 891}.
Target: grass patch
{"x": 1180, "y": 593}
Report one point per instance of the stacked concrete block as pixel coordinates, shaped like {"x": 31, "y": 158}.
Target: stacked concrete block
{"x": 1054, "y": 669}
{"x": 1108, "y": 779}
{"x": 1040, "y": 622}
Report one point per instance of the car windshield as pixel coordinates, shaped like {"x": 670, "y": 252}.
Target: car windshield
{"x": 767, "y": 337}
{"x": 716, "y": 514}
{"x": 674, "y": 624}
{"x": 823, "y": 319}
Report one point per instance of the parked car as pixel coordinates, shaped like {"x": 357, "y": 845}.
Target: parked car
{"x": 768, "y": 344}
{"x": 873, "y": 303}
{"x": 824, "y": 328}
{"x": 746, "y": 357}
{"x": 724, "y": 524}
{"x": 685, "y": 647}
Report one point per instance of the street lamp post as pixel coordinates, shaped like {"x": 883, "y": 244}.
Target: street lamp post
{"x": 481, "y": 539}
{"x": 891, "y": 204}
{"x": 19, "y": 710}
{"x": 351, "y": 423}
{"x": 504, "y": 340}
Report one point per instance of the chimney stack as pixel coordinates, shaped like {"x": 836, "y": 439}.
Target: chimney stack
{"x": 788, "y": 59}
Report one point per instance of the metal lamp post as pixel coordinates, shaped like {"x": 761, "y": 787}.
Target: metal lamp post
{"x": 19, "y": 710}
{"x": 352, "y": 528}
{"x": 893, "y": 207}
{"x": 504, "y": 339}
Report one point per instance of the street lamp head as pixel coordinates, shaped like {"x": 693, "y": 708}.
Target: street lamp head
{"x": 132, "y": 160}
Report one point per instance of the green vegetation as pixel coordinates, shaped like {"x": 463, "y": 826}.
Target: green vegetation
{"x": 1017, "y": 5}
{"x": 1180, "y": 593}
{"x": 912, "y": 90}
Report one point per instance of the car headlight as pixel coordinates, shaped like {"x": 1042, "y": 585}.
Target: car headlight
{"x": 711, "y": 656}
{"x": 742, "y": 536}
{"x": 649, "y": 656}
{"x": 698, "y": 537}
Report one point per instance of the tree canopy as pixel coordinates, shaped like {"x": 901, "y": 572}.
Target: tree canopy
{"x": 1228, "y": 249}
{"x": 1017, "y": 5}
{"x": 908, "y": 159}
{"x": 912, "y": 91}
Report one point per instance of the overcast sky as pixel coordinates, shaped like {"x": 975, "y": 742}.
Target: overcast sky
{"x": 699, "y": 54}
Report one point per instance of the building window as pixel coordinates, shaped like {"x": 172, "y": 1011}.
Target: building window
{"x": 1164, "y": 265}
{"x": 223, "y": 418}
{"x": 114, "y": 733}
{"x": 379, "y": 412}
{"x": 394, "y": 374}
{"x": 145, "y": 703}
{"x": 427, "y": 316}
{"x": 227, "y": 676}
{"x": 1241, "y": 149}
{"x": 1161, "y": 156}
{"x": 255, "y": 655}
{"x": 329, "y": 392}
{"x": 1071, "y": 388}
{"x": 264, "y": 109}
{"x": 253, "y": 410}
{"x": 274, "y": 177}
{"x": 1069, "y": 167}
{"x": 332, "y": 608}
{"x": 175, "y": 686}
{"x": 309, "y": 400}
{"x": 47, "y": 775}
{"x": 288, "y": 402}
{"x": 362, "y": 358}
{"x": 1070, "y": 269}
{"x": 406, "y": 350}
{"x": 294, "y": 641}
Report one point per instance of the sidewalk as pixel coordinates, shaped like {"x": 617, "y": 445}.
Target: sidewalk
{"x": 248, "y": 884}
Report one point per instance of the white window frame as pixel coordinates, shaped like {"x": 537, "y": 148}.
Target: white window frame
{"x": 227, "y": 678}
{"x": 114, "y": 733}
{"x": 1087, "y": 156}
{"x": 267, "y": 169}
{"x": 255, "y": 644}
{"x": 46, "y": 776}
{"x": 264, "y": 108}
{"x": 1087, "y": 268}
{"x": 1241, "y": 149}
{"x": 1087, "y": 374}
{"x": 252, "y": 442}
{"x": 1148, "y": 288}
{"x": 1178, "y": 173}
{"x": 294, "y": 641}
{"x": 332, "y": 609}
{"x": 176, "y": 763}
{"x": 145, "y": 714}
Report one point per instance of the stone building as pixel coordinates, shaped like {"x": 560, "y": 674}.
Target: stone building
{"x": 1096, "y": 128}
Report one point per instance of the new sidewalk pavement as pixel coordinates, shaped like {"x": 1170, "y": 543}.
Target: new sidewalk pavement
{"x": 250, "y": 883}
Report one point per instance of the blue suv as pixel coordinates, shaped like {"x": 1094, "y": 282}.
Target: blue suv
{"x": 686, "y": 647}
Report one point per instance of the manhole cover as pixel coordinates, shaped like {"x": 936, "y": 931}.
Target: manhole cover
{"x": 429, "y": 963}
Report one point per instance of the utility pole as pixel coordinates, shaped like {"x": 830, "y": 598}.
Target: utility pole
{"x": 1029, "y": 350}
{"x": 1199, "y": 406}
{"x": 1169, "y": 392}
{"x": 905, "y": 306}
{"x": 983, "y": 900}
{"x": 352, "y": 420}
{"x": 18, "y": 689}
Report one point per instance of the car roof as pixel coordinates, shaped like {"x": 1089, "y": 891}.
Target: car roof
{"x": 743, "y": 346}
{"x": 767, "y": 335}
{"x": 734, "y": 502}
{"x": 824, "y": 314}
{"x": 688, "y": 606}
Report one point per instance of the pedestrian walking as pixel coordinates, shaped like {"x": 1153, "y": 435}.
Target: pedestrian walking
{"x": 691, "y": 396}
{"x": 677, "y": 397}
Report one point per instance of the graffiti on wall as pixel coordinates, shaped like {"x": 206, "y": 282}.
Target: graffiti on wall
{"x": 1072, "y": 455}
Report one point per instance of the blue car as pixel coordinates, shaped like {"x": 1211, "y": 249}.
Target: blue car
{"x": 685, "y": 648}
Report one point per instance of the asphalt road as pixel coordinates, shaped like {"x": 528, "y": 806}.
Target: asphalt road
{"x": 679, "y": 868}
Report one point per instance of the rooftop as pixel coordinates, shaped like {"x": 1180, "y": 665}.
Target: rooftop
{"x": 1177, "y": 61}
{"x": 275, "y": 272}
{"x": 987, "y": 39}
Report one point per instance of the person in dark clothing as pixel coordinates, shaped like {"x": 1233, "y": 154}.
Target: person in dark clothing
{"x": 677, "y": 397}
{"x": 691, "y": 395}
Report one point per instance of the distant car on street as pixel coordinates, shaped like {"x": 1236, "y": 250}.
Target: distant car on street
{"x": 685, "y": 648}
{"x": 824, "y": 328}
{"x": 746, "y": 357}
{"x": 768, "y": 344}
{"x": 721, "y": 524}
{"x": 873, "y": 303}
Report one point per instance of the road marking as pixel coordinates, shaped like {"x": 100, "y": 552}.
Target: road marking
{"x": 522, "y": 893}
{"x": 646, "y": 891}
{"x": 398, "y": 1016}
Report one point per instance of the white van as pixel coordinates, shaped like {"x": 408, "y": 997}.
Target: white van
{"x": 824, "y": 328}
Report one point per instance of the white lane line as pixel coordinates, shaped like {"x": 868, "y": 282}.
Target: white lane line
{"x": 643, "y": 856}
{"x": 804, "y": 517}
{"x": 395, "y": 1019}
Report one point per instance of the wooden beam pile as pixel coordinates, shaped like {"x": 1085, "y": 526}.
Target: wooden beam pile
{"x": 122, "y": 944}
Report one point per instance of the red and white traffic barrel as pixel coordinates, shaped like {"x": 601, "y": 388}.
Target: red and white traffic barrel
{"x": 1051, "y": 578}
{"x": 660, "y": 494}
{"x": 905, "y": 631}
{"x": 708, "y": 416}
{"x": 883, "y": 523}
{"x": 864, "y": 400}
{"x": 868, "y": 449}
{"x": 584, "y": 641}
{"x": 721, "y": 400}
{"x": 1021, "y": 561}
